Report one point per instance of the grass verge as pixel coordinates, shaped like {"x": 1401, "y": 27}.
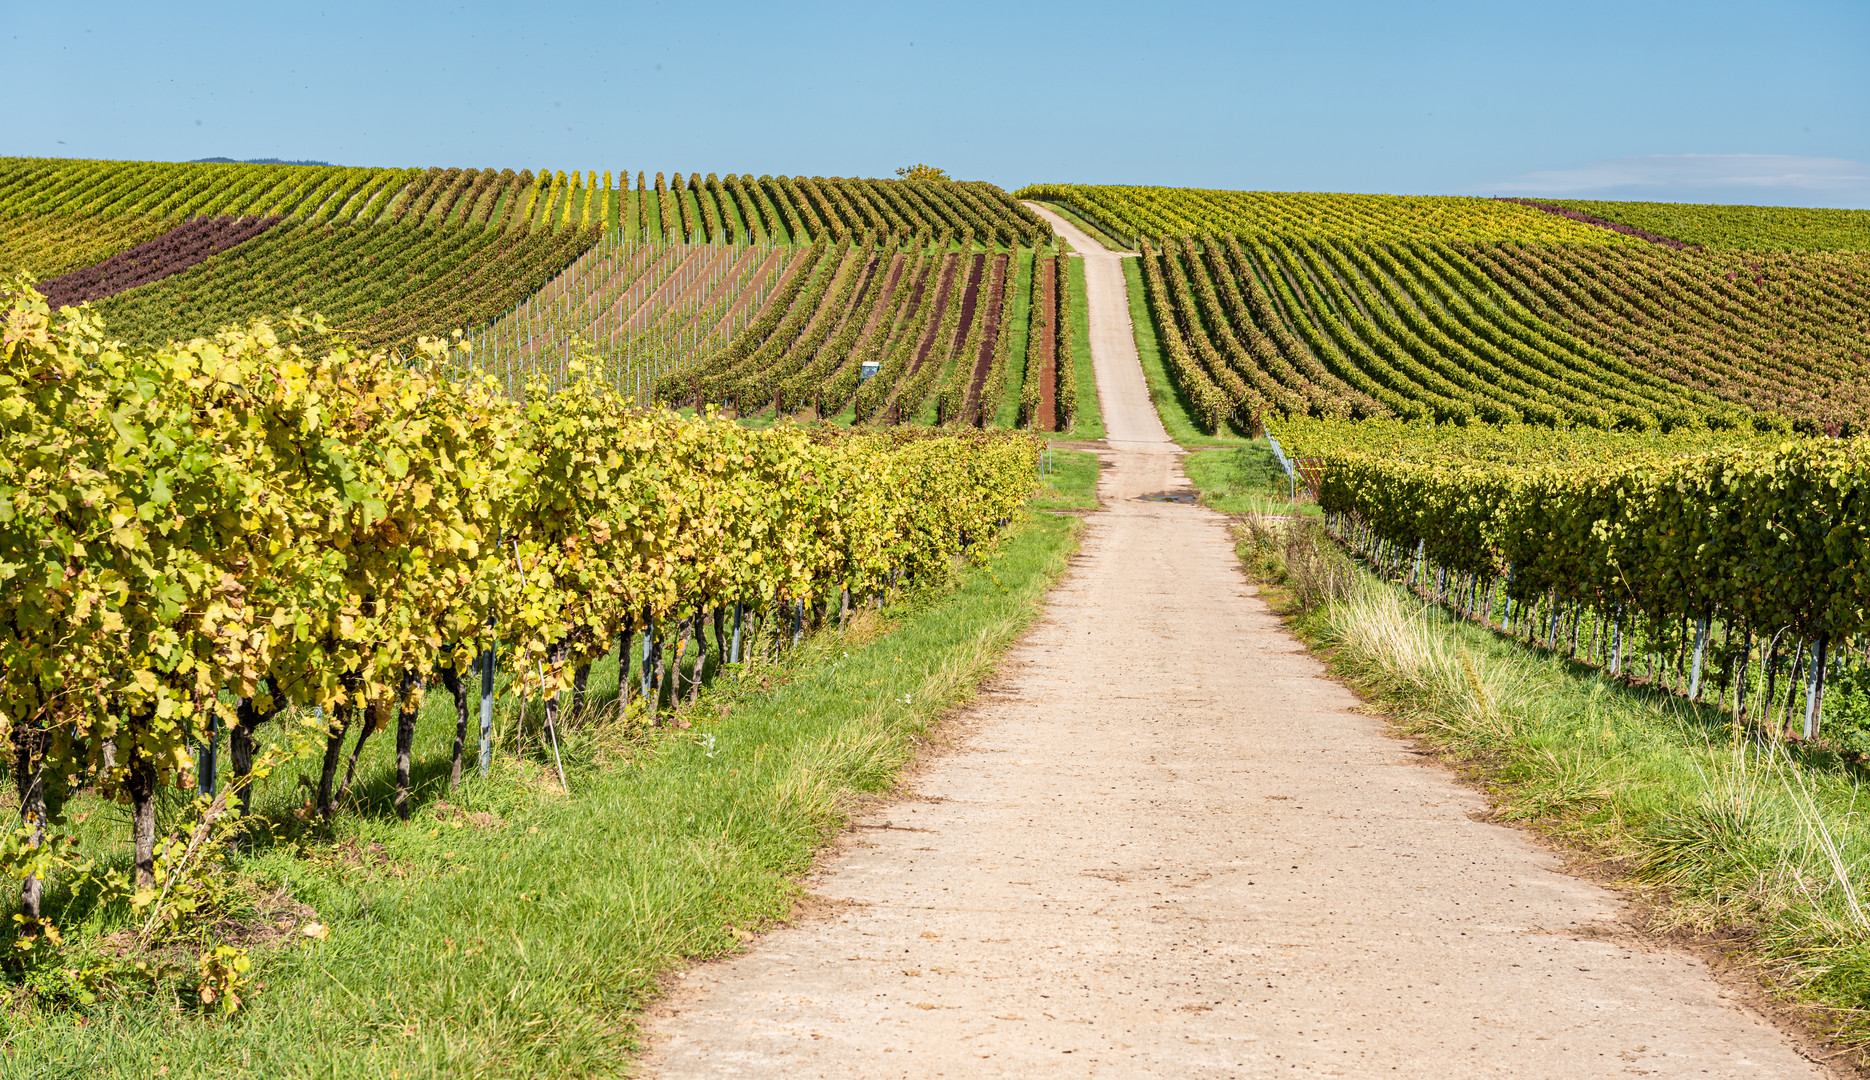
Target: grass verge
{"x": 1244, "y": 480}
{"x": 1178, "y": 416}
{"x": 513, "y": 931}
{"x": 1072, "y": 484}
{"x": 1089, "y": 421}
{"x": 1007, "y": 412}
{"x": 1736, "y": 842}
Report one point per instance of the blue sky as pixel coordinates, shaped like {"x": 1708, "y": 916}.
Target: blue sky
{"x": 1706, "y": 102}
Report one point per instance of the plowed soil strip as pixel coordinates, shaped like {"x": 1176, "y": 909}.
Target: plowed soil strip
{"x": 688, "y": 275}
{"x": 898, "y": 266}
{"x": 638, "y": 271}
{"x": 171, "y": 253}
{"x": 969, "y": 301}
{"x": 1168, "y": 846}
{"x": 983, "y": 362}
{"x": 707, "y": 291}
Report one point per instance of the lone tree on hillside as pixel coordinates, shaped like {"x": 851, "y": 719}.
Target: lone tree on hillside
{"x": 920, "y": 171}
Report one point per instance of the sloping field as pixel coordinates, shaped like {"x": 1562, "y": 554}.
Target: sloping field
{"x": 449, "y": 249}
{"x": 49, "y": 245}
{"x": 638, "y": 309}
{"x": 802, "y": 210}
{"x": 1135, "y": 213}
{"x": 890, "y": 335}
{"x": 1779, "y": 333}
{"x": 1738, "y": 228}
{"x": 645, "y": 280}
{"x": 1492, "y": 310}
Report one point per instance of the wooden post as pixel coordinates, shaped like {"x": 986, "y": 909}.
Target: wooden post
{"x": 701, "y": 654}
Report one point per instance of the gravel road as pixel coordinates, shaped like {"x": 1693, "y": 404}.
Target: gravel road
{"x": 1168, "y": 846}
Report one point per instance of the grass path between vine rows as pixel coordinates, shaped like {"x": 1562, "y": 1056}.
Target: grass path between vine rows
{"x": 1167, "y": 845}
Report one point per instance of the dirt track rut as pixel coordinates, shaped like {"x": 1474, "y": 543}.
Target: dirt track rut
{"x": 1168, "y": 846}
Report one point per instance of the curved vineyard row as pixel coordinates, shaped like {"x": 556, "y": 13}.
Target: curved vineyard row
{"x": 173, "y": 251}
{"x": 391, "y": 255}
{"x": 55, "y": 189}
{"x": 383, "y": 285}
{"x": 1603, "y": 223}
{"x": 737, "y": 209}
{"x": 1134, "y": 213}
{"x": 1499, "y": 310}
{"x": 52, "y": 245}
{"x": 176, "y": 192}
{"x": 384, "y": 255}
{"x": 1787, "y": 334}
{"x": 1292, "y": 326}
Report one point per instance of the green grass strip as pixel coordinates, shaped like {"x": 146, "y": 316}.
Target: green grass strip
{"x": 1072, "y": 484}
{"x": 1243, "y": 480}
{"x": 1089, "y": 423}
{"x": 1007, "y": 414}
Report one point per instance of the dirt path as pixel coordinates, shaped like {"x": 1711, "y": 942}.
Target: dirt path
{"x": 1169, "y": 847}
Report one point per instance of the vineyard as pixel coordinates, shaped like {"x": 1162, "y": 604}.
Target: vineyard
{"x": 297, "y": 455}
{"x": 1630, "y": 433}
{"x": 185, "y": 566}
{"x": 650, "y": 285}
{"x": 1454, "y": 310}
{"x": 874, "y": 334}
{"x": 1133, "y": 214}
{"x": 1719, "y": 565}
{"x": 1737, "y": 228}
{"x": 293, "y": 452}
{"x": 632, "y": 311}
{"x": 804, "y": 210}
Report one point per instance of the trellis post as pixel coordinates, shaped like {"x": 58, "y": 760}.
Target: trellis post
{"x": 1701, "y": 649}
{"x": 1815, "y": 684}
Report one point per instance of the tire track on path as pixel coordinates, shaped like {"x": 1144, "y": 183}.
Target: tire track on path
{"x": 1168, "y": 846}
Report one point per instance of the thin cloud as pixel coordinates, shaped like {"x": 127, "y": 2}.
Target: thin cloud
{"x": 1704, "y": 177}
